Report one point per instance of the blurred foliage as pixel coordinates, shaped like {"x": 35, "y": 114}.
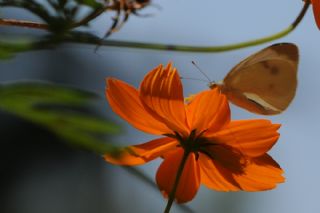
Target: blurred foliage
{"x": 62, "y": 110}
{"x": 11, "y": 45}
{"x": 8, "y": 49}
{"x": 59, "y": 15}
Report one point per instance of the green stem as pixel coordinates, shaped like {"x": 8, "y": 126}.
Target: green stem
{"x": 157, "y": 46}
{"x": 176, "y": 182}
{"x": 222, "y": 48}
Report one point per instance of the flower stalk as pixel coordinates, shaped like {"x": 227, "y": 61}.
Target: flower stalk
{"x": 176, "y": 182}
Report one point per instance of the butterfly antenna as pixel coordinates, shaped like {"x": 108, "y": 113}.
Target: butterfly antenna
{"x": 203, "y": 73}
{"x": 195, "y": 79}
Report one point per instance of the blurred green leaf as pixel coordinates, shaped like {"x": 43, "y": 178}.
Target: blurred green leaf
{"x": 60, "y": 16}
{"x": 37, "y": 92}
{"x": 60, "y": 109}
{"x": 91, "y": 3}
{"x": 9, "y": 49}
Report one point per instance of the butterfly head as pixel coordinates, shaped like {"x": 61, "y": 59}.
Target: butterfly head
{"x": 213, "y": 84}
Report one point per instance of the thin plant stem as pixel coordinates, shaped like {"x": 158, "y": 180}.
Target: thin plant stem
{"x": 159, "y": 46}
{"x": 176, "y": 182}
{"x": 146, "y": 179}
{"x": 89, "y": 18}
{"x": 210, "y": 49}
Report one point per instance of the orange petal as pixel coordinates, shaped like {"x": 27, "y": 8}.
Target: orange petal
{"x": 209, "y": 111}
{"x": 215, "y": 176}
{"x": 261, "y": 173}
{"x": 124, "y": 100}
{"x": 189, "y": 181}
{"x": 316, "y": 11}
{"x": 227, "y": 157}
{"x": 251, "y": 137}
{"x": 142, "y": 153}
{"x": 161, "y": 92}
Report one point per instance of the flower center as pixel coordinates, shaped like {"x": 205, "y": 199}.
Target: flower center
{"x": 194, "y": 143}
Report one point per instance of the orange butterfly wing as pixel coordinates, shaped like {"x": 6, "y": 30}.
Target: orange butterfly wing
{"x": 266, "y": 82}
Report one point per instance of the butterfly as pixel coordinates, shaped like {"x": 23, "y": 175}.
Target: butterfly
{"x": 265, "y": 82}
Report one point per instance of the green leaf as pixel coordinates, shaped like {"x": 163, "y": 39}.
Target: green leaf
{"x": 44, "y": 93}
{"x": 87, "y": 141}
{"x": 60, "y": 109}
{"x": 91, "y": 3}
{"x": 86, "y": 123}
{"x": 10, "y": 49}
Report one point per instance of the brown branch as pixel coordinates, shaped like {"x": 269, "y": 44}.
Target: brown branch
{"x": 30, "y": 24}
{"x": 23, "y": 23}
{"x": 42, "y": 26}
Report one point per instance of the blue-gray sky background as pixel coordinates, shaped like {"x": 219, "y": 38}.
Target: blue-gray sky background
{"x": 203, "y": 22}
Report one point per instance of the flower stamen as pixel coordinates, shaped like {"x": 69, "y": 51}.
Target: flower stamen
{"x": 194, "y": 143}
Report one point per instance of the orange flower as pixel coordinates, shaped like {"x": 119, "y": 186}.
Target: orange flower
{"x": 223, "y": 155}
{"x": 316, "y": 11}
